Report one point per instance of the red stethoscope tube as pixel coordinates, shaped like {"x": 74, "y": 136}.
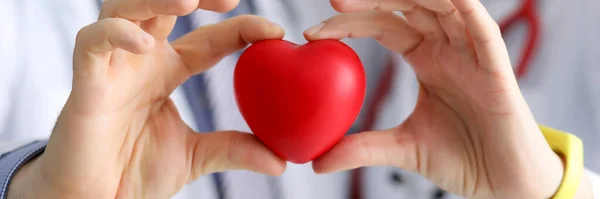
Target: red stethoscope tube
{"x": 528, "y": 13}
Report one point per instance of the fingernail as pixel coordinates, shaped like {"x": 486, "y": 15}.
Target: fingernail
{"x": 147, "y": 38}
{"x": 315, "y": 29}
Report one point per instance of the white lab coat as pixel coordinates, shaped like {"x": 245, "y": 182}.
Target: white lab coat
{"x": 37, "y": 39}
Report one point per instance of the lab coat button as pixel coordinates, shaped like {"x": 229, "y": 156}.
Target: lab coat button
{"x": 439, "y": 194}
{"x": 396, "y": 178}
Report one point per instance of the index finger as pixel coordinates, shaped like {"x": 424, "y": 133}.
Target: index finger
{"x": 147, "y": 9}
{"x": 442, "y": 7}
{"x": 428, "y": 16}
{"x": 480, "y": 24}
{"x": 363, "y": 5}
{"x": 207, "y": 45}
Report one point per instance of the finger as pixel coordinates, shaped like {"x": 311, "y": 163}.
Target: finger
{"x": 391, "y": 30}
{"x": 161, "y": 14}
{"x": 426, "y": 22}
{"x": 95, "y": 42}
{"x": 364, "y": 5}
{"x": 441, "y": 7}
{"x": 146, "y": 9}
{"x": 376, "y": 148}
{"x": 484, "y": 31}
{"x": 207, "y": 45}
{"x": 449, "y": 19}
{"x": 221, "y": 151}
{"x": 160, "y": 26}
{"x": 431, "y": 18}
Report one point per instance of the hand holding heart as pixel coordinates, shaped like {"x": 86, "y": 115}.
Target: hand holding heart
{"x": 119, "y": 134}
{"x": 299, "y": 100}
{"x": 471, "y": 132}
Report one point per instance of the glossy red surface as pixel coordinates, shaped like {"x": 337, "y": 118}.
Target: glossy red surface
{"x": 299, "y": 100}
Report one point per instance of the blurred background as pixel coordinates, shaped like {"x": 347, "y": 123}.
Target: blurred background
{"x": 553, "y": 44}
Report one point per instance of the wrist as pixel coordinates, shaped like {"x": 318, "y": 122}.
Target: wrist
{"x": 30, "y": 182}
{"x": 555, "y": 173}
{"x": 25, "y": 183}
{"x": 541, "y": 179}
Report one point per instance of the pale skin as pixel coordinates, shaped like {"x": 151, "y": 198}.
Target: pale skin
{"x": 120, "y": 135}
{"x": 471, "y": 132}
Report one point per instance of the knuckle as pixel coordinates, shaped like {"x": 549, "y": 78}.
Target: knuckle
{"x": 180, "y": 7}
{"x": 495, "y": 28}
{"x": 482, "y": 39}
{"x": 388, "y": 16}
{"x": 449, "y": 12}
{"x": 234, "y": 144}
{"x": 244, "y": 19}
{"x": 339, "y": 5}
{"x": 218, "y": 6}
{"x": 203, "y": 163}
{"x": 493, "y": 34}
{"x": 116, "y": 27}
{"x": 107, "y": 9}
{"x": 468, "y": 12}
{"x": 95, "y": 34}
{"x": 113, "y": 23}
{"x": 96, "y": 29}
{"x": 364, "y": 147}
{"x": 82, "y": 33}
{"x": 227, "y": 5}
{"x": 251, "y": 22}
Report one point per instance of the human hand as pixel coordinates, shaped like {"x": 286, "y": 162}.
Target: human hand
{"x": 471, "y": 132}
{"x": 119, "y": 134}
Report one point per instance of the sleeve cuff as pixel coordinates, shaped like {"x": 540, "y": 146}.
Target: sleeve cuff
{"x": 595, "y": 180}
{"x": 11, "y": 162}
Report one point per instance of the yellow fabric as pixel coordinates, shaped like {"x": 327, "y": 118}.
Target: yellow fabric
{"x": 570, "y": 148}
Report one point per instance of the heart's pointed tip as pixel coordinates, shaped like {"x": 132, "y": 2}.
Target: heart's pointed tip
{"x": 274, "y": 113}
{"x": 299, "y": 161}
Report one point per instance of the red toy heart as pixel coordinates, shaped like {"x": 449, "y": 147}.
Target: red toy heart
{"x": 299, "y": 100}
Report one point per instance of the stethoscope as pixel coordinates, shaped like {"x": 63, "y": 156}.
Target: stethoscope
{"x": 528, "y": 13}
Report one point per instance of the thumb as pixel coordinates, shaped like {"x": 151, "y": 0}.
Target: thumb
{"x": 229, "y": 150}
{"x": 390, "y": 147}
